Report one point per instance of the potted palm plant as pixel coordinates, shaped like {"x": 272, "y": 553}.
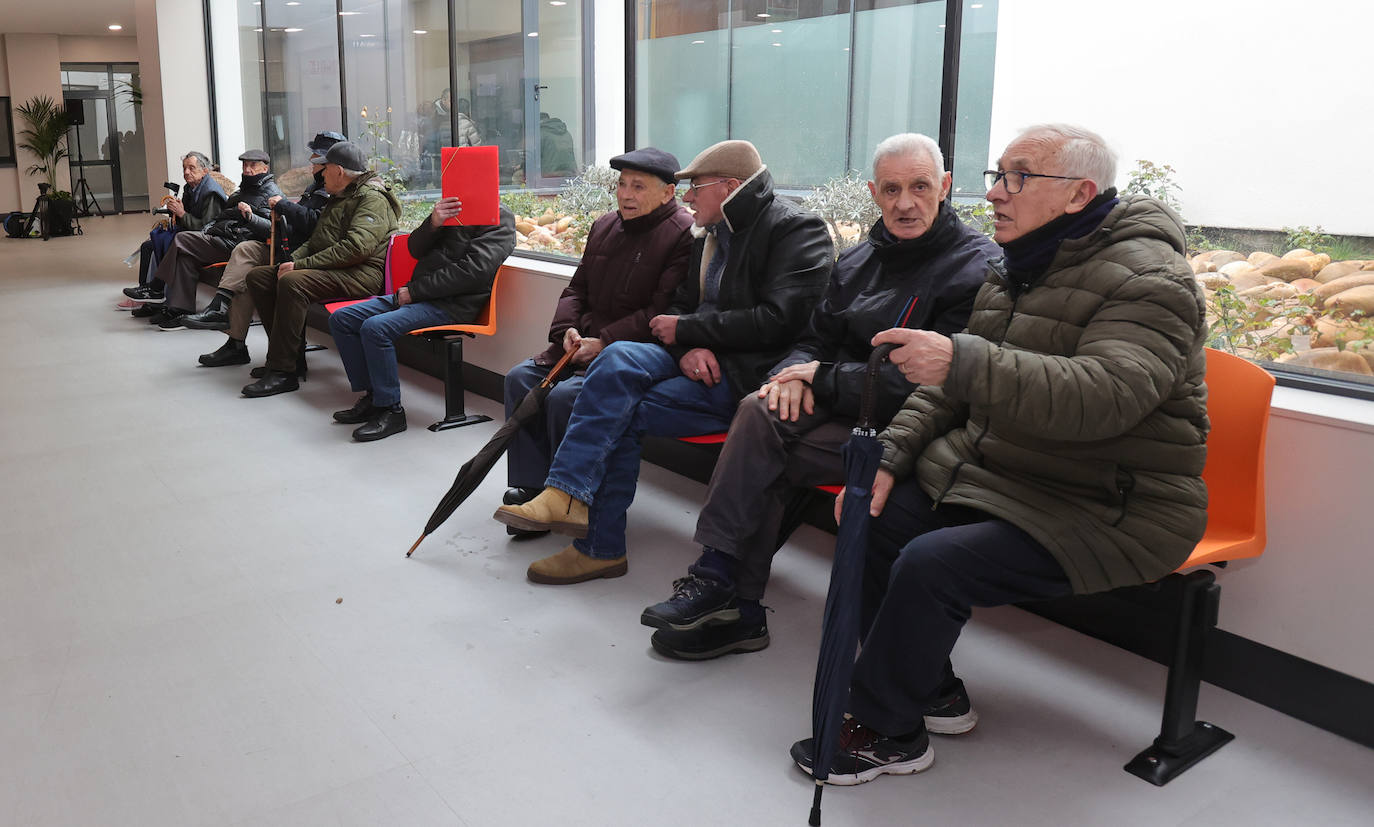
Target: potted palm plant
{"x": 46, "y": 139}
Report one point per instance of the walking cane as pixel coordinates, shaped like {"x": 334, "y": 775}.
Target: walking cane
{"x": 272, "y": 239}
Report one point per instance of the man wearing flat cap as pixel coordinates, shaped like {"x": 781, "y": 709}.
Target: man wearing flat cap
{"x": 231, "y": 309}
{"x": 636, "y": 256}
{"x": 244, "y": 218}
{"x": 343, "y": 258}
{"x": 756, "y": 270}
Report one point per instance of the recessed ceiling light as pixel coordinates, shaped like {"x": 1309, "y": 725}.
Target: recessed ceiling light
{"x": 698, "y": 42}
{"x": 294, "y": 3}
{"x": 348, "y": 13}
{"x": 115, "y": 27}
{"x": 558, "y": 2}
{"x": 532, "y": 34}
{"x": 777, "y": 44}
{"x": 257, "y": 30}
{"x": 420, "y": 31}
{"x": 293, "y": 30}
{"x": 976, "y": 6}
{"x": 776, "y": 31}
{"x": 367, "y": 35}
{"x": 763, "y": 15}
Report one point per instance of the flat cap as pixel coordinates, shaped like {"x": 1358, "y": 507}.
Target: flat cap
{"x": 348, "y": 156}
{"x": 731, "y": 159}
{"x": 650, "y": 159}
{"x": 321, "y": 143}
{"x": 255, "y": 155}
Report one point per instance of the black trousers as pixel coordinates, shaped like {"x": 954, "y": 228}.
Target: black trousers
{"x": 925, "y": 570}
{"x": 763, "y": 457}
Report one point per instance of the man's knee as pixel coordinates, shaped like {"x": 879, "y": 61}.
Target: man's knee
{"x": 261, "y": 278}
{"x": 376, "y": 330}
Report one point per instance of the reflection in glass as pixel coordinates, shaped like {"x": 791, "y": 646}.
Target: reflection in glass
{"x": 302, "y": 82}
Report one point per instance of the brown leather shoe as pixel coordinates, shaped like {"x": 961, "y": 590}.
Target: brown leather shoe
{"x": 552, "y": 510}
{"x": 572, "y": 566}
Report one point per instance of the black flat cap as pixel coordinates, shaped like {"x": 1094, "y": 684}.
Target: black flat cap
{"x": 347, "y": 155}
{"x": 321, "y": 143}
{"x": 650, "y": 159}
{"x": 255, "y": 155}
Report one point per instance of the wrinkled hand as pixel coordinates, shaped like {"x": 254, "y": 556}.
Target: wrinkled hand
{"x": 665, "y": 329}
{"x": 403, "y": 297}
{"x": 285, "y": 267}
{"x": 700, "y": 364}
{"x": 806, "y": 372}
{"x": 447, "y": 208}
{"x": 272, "y": 202}
{"x": 178, "y": 209}
{"x": 790, "y": 399}
{"x": 882, "y": 488}
{"x": 244, "y": 209}
{"x": 923, "y": 357}
{"x": 588, "y": 347}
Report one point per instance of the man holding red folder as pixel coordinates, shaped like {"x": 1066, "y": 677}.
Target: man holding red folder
{"x": 920, "y": 267}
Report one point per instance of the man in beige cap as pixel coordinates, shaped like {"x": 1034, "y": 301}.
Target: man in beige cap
{"x": 757, "y": 268}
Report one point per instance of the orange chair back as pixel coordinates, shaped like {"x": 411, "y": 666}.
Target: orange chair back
{"x": 1238, "y": 396}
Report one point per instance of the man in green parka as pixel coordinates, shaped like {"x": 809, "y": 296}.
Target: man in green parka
{"x": 1055, "y": 447}
{"x": 343, "y": 258}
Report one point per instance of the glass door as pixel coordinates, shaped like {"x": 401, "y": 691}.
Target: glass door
{"x": 554, "y": 118}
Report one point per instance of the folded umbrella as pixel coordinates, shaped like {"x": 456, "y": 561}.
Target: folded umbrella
{"x": 840, "y": 624}
{"x": 475, "y": 470}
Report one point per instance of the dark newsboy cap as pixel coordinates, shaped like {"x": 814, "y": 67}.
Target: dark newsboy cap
{"x": 321, "y": 143}
{"x": 255, "y": 155}
{"x": 650, "y": 159}
{"x": 348, "y": 156}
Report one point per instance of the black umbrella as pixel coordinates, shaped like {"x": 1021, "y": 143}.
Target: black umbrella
{"x": 840, "y": 624}
{"x": 475, "y": 470}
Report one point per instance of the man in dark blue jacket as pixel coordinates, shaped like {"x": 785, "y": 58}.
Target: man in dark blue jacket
{"x": 232, "y": 307}
{"x": 920, "y": 267}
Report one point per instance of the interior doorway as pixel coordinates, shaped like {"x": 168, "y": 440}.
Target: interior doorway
{"x": 105, "y": 144}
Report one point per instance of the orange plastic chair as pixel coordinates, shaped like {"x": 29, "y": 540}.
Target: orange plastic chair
{"x": 451, "y": 336}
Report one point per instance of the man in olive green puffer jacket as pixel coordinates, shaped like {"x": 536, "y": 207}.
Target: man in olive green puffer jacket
{"x": 1055, "y": 447}
{"x": 343, "y": 258}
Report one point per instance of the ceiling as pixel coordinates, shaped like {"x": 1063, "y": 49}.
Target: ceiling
{"x": 73, "y": 17}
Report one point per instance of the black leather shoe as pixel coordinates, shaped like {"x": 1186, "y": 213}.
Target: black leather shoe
{"x": 384, "y": 423}
{"x": 261, "y": 371}
{"x": 520, "y": 496}
{"x": 147, "y": 311}
{"x": 360, "y": 412}
{"x": 211, "y": 318}
{"x": 165, "y": 316}
{"x": 232, "y": 352}
{"x": 273, "y": 383}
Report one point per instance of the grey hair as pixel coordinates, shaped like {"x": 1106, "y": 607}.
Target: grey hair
{"x": 908, "y": 143}
{"x": 350, "y": 174}
{"x": 201, "y": 160}
{"x": 1079, "y": 152}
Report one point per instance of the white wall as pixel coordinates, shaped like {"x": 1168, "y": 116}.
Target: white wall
{"x": 608, "y": 59}
{"x": 1263, "y": 108}
{"x": 176, "y": 110}
{"x": 101, "y": 49}
{"x": 32, "y": 68}
{"x": 224, "y": 33}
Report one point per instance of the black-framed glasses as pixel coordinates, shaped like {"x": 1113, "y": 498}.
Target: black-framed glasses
{"x": 1015, "y": 180}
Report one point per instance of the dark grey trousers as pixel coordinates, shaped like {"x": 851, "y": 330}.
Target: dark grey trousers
{"x": 762, "y": 459}
{"x": 180, "y": 268}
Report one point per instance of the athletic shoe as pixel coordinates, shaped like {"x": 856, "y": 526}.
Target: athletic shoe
{"x": 863, "y": 755}
{"x": 173, "y": 322}
{"x": 146, "y": 311}
{"x": 712, "y": 640}
{"x": 696, "y": 601}
{"x": 128, "y": 304}
{"x": 145, "y": 294}
{"x": 951, "y": 714}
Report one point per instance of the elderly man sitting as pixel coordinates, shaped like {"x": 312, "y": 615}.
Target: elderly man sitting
{"x": 201, "y": 201}
{"x": 454, "y": 270}
{"x": 1056, "y": 447}
{"x": 920, "y": 268}
{"x": 244, "y": 219}
{"x": 342, "y": 259}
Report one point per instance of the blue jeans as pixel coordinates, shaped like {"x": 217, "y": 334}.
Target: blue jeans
{"x": 366, "y": 334}
{"x": 531, "y": 451}
{"x": 631, "y": 389}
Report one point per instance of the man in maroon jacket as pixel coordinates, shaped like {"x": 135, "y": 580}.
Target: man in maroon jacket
{"x": 635, "y": 258}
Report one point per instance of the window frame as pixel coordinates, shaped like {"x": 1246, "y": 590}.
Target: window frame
{"x": 12, "y": 159}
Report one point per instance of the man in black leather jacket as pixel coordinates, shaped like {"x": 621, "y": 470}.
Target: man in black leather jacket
{"x": 920, "y": 267}
{"x": 756, "y": 270}
{"x": 231, "y": 308}
{"x": 243, "y": 219}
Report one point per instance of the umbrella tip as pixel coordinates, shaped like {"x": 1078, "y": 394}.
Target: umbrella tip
{"x": 815, "y": 820}
{"x": 416, "y": 545}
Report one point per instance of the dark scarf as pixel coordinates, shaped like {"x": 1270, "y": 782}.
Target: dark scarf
{"x": 1028, "y": 257}
{"x": 888, "y": 248}
{"x": 254, "y": 181}
{"x": 195, "y": 198}
{"x": 644, "y": 223}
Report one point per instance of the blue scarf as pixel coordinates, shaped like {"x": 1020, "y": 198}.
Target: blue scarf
{"x": 1028, "y": 257}
{"x": 195, "y": 197}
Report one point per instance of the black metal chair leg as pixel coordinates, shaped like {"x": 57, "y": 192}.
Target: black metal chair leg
{"x": 1183, "y": 740}
{"x": 455, "y": 416}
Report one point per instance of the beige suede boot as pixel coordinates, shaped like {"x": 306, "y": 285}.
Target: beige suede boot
{"x": 572, "y": 566}
{"x": 552, "y": 510}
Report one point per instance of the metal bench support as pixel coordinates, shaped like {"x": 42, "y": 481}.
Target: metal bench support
{"x": 455, "y": 415}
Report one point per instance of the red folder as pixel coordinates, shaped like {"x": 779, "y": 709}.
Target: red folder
{"x": 470, "y": 173}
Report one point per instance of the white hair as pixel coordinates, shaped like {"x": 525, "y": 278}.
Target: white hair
{"x": 1078, "y": 152}
{"x": 908, "y": 143}
{"x": 350, "y": 174}
{"x": 201, "y": 160}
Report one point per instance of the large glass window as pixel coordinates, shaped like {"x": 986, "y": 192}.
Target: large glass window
{"x": 105, "y": 145}
{"x": 815, "y": 84}
{"x": 301, "y": 54}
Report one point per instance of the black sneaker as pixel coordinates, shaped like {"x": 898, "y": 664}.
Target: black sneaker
{"x": 148, "y": 310}
{"x": 166, "y": 314}
{"x": 951, "y": 714}
{"x": 863, "y": 755}
{"x": 173, "y": 322}
{"x": 696, "y": 601}
{"x": 712, "y": 640}
{"x": 145, "y": 294}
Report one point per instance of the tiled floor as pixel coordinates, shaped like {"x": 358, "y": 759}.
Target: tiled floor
{"x": 173, "y": 652}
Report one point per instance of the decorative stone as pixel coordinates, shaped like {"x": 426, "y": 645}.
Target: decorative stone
{"x": 1273, "y": 290}
{"x": 1221, "y": 258}
{"x": 1212, "y": 281}
{"x": 1306, "y": 285}
{"x": 1287, "y": 269}
{"x": 1330, "y": 332}
{"x": 1336, "y": 269}
{"x": 1336, "y": 286}
{"x": 1259, "y": 257}
{"x": 1300, "y": 252}
{"x": 1329, "y": 358}
{"x": 1235, "y": 268}
{"x": 1356, "y": 298}
{"x": 1253, "y": 278}
{"x": 1201, "y": 265}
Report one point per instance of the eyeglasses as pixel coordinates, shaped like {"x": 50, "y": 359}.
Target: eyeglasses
{"x": 1016, "y": 181}
{"x": 695, "y": 187}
